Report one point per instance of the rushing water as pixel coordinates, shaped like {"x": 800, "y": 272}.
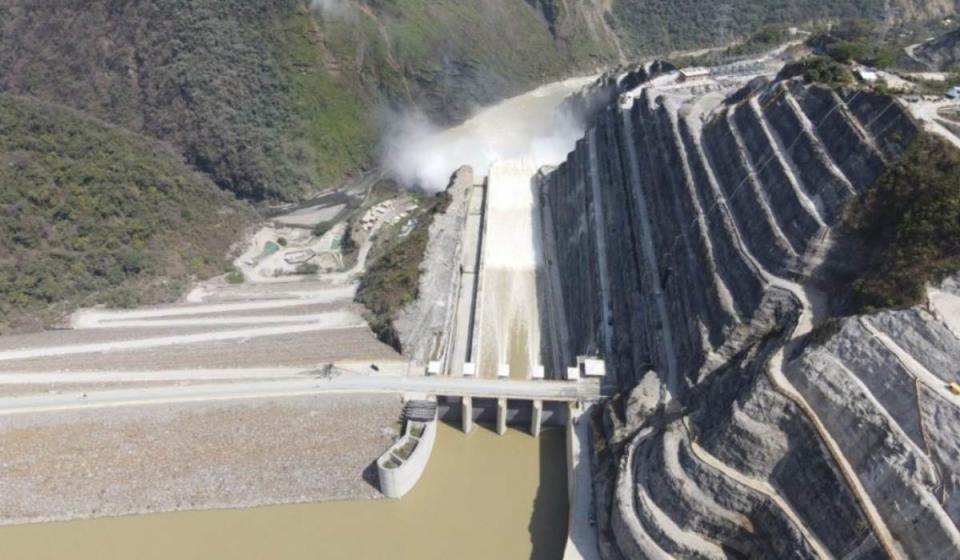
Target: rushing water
{"x": 482, "y": 496}
{"x": 512, "y": 258}
{"x": 527, "y": 126}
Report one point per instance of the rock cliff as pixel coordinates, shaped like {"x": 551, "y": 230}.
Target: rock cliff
{"x": 942, "y": 53}
{"x": 692, "y": 241}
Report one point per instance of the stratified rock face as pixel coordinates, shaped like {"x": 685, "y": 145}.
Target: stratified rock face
{"x": 943, "y": 53}
{"x": 693, "y": 243}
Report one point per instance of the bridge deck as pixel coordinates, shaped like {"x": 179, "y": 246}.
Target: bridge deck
{"x": 301, "y": 383}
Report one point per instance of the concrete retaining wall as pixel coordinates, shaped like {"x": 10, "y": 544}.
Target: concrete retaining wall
{"x": 397, "y": 481}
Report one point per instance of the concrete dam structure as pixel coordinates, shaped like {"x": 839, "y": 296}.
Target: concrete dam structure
{"x": 691, "y": 241}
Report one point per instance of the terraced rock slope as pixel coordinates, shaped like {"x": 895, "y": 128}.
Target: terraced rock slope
{"x": 693, "y": 242}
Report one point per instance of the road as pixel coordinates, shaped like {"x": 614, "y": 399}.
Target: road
{"x": 927, "y": 113}
{"x": 763, "y": 488}
{"x": 304, "y": 383}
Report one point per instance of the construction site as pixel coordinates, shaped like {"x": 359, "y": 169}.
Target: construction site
{"x": 646, "y": 324}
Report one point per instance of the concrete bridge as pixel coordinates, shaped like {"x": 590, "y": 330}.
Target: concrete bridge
{"x": 513, "y": 398}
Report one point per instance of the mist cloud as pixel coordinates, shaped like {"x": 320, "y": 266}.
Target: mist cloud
{"x": 418, "y": 154}
{"x": 330, "y": 7}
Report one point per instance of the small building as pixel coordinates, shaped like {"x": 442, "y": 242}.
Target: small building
{"x": 692, "y": 73}
{"x": 953, "y": 93}
{"x": 868, "y": 75}
{"x": 591, "y": 366}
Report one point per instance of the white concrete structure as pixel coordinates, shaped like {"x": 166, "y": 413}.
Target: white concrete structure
{"x": 573, "y": 373}
{"x": 536, "y": 417}
{"x": 593, "y": 367}
{"x": 868, "y": 75}
{"x": 399, "y": 475}
{"x": 582, "y": 535}
{"x": 501, "y": 416}
{"x": 692, "y": 73}
{"x": 466, "y": 414}
{"x": 461, "y": 359}
{"x": 278, "y": 383}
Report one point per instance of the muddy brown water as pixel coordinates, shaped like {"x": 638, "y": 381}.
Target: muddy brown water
{"x": 482, "y": 496}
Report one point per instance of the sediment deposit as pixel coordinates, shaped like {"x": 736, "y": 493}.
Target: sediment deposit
{"x": 128, "y": 460}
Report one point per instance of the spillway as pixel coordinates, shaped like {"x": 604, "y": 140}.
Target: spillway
{"x": 512, "y": 258}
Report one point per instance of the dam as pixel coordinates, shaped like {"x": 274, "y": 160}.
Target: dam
{"x": 685, "y": 245}
{"x": 519, "y": 495}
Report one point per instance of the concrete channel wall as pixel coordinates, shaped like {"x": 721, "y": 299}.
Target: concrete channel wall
{"x": 466, "y": 302}
{"x": 395, "y": 482}
{"x": 582, "y": 533}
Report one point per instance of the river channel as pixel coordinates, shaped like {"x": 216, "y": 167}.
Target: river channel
{"x": 481, "y": 496}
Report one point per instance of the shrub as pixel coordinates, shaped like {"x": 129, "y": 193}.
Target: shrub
{"x": 392, "y": 279}
{"x": 819, "y": 69}
{"x": 407, "y": 449}
{"x": 347, "y": 243}
{"x": 321, "y": 229}
{"x": 307, "y": 269}
{"x": 92, "y": 213}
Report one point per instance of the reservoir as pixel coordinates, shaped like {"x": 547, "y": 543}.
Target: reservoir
{"x": 482, "y": 496}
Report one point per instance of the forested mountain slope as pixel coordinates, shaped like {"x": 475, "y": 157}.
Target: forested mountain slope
{"x": 660, "y": 26}
{"x": 274, "y": 100}
{"x": 92, "y": 213}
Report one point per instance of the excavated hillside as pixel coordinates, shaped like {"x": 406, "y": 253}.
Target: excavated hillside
{"x": 696, "y": 245}
{"x": 942, "y": 53}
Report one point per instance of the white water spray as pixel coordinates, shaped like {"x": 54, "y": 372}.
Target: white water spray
{"x": 528, "y": 127}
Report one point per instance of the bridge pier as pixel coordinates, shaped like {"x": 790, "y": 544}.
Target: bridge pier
{"x": 466, "y": 414}
{"x": 536, "y": 417}
{"x": 501, "y": 416}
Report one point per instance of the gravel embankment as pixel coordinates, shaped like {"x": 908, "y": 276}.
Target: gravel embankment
{"x": 182, "y": 457}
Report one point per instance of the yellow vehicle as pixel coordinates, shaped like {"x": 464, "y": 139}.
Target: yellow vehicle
{"x": 955, "y": 388}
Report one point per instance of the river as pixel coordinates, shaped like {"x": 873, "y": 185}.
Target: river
{"x": 482, "y": 496}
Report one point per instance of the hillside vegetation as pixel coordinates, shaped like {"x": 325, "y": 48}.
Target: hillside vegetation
{"x": 269, "y": 98}
{"x": 392, "y": 279}
{"x": 269, "y": 101}
{"x": 660, "y": 26}
{"x": 92, "y": 213}
{"x": 909, "y": 222}
{"x": 239, "y": 87}
{"x": 274, "y": 101}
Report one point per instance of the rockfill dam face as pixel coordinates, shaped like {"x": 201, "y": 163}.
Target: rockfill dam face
{"x": 691, "y": 241}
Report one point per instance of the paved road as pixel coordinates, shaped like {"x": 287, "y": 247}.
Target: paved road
{"x": 309, "y": 383}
